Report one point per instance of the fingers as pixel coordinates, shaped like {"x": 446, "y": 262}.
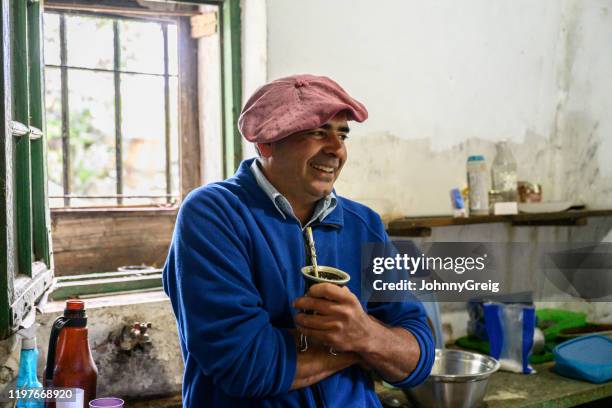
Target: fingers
{"x": 330, "y": 292}
{"x": 317, "y": 322}
{"x": 328, "y": 338}
{"x": 318, "y": 305}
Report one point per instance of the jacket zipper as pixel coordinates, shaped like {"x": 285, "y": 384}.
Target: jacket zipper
{"x": 314, "y": 388}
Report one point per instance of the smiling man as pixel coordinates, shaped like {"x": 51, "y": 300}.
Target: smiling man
{"x": 304, "y": 166}
{"x": 233, "y": 271}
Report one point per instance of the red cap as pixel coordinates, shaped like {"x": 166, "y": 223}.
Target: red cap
{"x": 74, "y": 304}
{"x": 295, "y": 104}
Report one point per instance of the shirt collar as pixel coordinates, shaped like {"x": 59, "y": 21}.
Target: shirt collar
{"x": 323, "y": 208}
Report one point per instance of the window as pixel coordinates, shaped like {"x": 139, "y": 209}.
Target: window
{"x": 111, "y": 108}
{"x": 97, "y": 240}
{"x": 122, "y": 113}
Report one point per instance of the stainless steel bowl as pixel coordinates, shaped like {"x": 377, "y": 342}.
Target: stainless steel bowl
{"x": 458, "y": 379}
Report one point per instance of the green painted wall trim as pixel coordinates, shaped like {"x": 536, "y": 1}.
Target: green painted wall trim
{"x": 21, "y": 113}
{"x": 231, "y": 74}
{"x": 6, "y": 141}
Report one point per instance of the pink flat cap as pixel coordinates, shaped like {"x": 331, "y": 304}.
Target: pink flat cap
{"x": 294, "y": 104}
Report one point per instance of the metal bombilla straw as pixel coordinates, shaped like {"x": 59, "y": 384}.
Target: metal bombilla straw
{"x": 313, "y": 259}
{"x": 313, "y": 251}
{"x": 315, "y": 268}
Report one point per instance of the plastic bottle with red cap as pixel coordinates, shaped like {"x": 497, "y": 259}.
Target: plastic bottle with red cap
{"x": 69, "y": 360}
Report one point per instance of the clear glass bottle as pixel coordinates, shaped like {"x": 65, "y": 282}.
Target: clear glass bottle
{"x": 503, "y": 173}
{"x": 478, "y": 183}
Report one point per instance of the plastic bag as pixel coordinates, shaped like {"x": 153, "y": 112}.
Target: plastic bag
{"x": 510, "y": 331}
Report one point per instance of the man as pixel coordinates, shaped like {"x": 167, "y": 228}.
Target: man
{"x": 233, "y": 271}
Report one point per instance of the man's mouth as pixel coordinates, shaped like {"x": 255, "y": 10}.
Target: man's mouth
{"x": 324, "y": 169}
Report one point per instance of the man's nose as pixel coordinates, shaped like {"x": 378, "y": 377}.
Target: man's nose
{"x": 333, "y": 143}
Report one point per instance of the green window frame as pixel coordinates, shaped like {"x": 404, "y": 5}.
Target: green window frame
{"x": 231, "y": 77}
{"x": 230, "y": 24}
{"x": 26, "y": 264}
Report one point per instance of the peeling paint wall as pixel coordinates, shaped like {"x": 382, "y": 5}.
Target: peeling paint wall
{"x": 445, "y": 79}
{"x": 148, "y": 372}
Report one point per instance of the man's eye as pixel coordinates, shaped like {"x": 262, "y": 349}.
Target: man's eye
{"x": 344, "y": 137}
{"x": 318, "y": 133}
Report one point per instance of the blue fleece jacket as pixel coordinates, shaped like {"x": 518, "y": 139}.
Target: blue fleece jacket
{"x": 233, "y": 271}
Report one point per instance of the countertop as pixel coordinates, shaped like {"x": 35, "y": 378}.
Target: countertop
{"x": 545, "y": 389}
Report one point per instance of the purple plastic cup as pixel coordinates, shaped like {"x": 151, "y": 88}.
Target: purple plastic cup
{"x": 107, "y": 402}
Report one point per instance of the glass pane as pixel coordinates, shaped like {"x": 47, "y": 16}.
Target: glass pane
{"x": 172, "y": 49}
{"x": 53, "y": 106}
{"x": 92, "y": 134}
{"x": 142, "y": 46}
{"x": 90, "y": 42}
{"x": 51, "y": 38}
{"x": 143, "y": 136}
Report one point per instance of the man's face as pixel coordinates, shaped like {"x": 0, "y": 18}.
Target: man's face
{"x": 305, "y": 165}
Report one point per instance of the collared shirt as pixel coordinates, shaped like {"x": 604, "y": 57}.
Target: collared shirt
{"x": 323, "y": 208}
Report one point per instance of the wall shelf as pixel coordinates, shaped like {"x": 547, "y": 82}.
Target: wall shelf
{"x": 421, "y": 226}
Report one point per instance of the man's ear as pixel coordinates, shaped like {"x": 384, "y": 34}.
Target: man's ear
{"x": 265, "y": 149}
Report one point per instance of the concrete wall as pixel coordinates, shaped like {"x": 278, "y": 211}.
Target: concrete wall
{"x": 149, "y": 372}
{"x": 446, "y": 79}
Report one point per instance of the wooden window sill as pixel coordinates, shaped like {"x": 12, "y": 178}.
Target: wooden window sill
{"x": 88, "y": 211}
{"x": 109, "y": 300}
{"x": 106, "y": 283}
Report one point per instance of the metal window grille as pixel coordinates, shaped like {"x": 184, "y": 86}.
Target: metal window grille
{"x": 65, "y": 68}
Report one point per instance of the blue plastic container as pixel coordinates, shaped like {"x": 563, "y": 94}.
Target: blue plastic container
{"x": 586, "y": 358}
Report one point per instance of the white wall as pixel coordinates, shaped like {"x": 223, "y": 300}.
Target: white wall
{"x": 445, "y": 79}
{"x": 254, "y": 54}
